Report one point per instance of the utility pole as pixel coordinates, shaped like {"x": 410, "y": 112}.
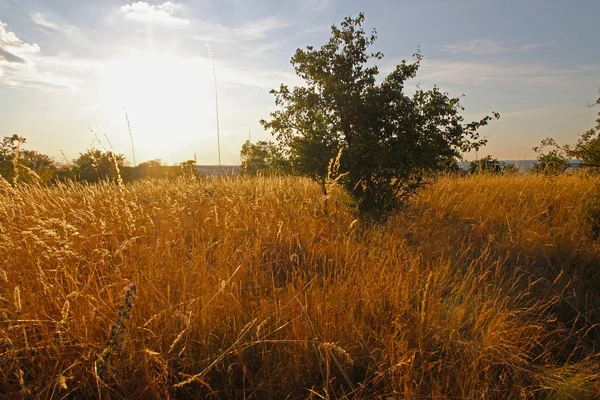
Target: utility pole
{"x": 212, "y": 59}
{"x": 131, "y": 138}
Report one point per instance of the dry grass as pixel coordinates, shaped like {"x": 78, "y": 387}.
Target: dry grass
{"x": 485, "y": 287}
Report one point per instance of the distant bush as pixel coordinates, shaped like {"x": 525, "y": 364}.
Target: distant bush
{"x": 491, "y": 165}
{"x": 155, "y": 169}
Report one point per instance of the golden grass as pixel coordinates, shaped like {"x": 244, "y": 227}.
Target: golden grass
{"x": 484, "y": 287}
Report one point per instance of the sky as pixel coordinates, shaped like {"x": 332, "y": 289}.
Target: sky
{"x": 72, "y": 70}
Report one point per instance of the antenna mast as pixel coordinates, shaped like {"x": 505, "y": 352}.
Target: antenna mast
{"x": 212, "y": 59}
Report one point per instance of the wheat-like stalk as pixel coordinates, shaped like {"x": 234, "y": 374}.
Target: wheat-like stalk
{"x": 483, "y": 287}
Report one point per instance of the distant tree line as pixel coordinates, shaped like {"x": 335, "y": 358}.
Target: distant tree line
{"x": 268, "y": 158}
{"x": 20, "y": 165}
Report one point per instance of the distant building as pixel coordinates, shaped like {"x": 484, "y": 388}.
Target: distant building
{"x": 216, "y": 170}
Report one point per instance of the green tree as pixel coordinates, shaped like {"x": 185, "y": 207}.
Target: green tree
{"x": 96, "y": 165}
{"x": 188, "y": 168}
{"x": 586, "y": 149}
{"x": 553, "y": 162}
{"x": 42, "y": 166}
{"x": 157, "y": 163}
{"x": 9, "y": 157}
{"x": 149, "y": 169}
{"x": 392, "y": 141}
{"x": 490, "y": 165}
{"x": 263, "y": 157}
{"x": 21, "y": 165}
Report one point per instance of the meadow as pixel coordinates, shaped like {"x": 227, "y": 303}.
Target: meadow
{"x": 483, "y": 287}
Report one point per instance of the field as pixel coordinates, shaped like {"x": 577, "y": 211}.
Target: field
{"x": 483, "y": 287}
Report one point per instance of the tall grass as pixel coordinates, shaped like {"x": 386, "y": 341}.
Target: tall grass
{"x": 484, "y": 287}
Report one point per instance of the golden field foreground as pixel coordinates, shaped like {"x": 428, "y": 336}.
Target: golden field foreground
{"x": 484, "y": 287}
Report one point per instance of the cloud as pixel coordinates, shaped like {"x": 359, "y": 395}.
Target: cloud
{"x": 248, "y": 31}
{"x": 477, "y": 73}
{"x": 7, "y": 56}
{"x": 23, "y": 65}
{"x": 70, "y": 32}
{"x": 12, "y": 49}
{"x": 163, "y": 14}
{"x": 253, "y": 30}
{"x": 41, "y": 21}
{"x": 490, "y": 46}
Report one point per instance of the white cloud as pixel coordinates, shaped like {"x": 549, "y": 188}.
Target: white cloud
{"x": 70, "y": 32}
{"x": 23, "y": 65}
{"x": 253, "y": 30}
{"x": 41, "y": 21}
{"x": 163, "y": 14}
{"x": 12, "y": 49}
{"x": 248, "y": 31}
{"x": 475, "y": 72}
{"x": 486, "y": 46}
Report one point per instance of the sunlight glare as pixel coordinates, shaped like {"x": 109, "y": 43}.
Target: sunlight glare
{"x": 164, "y": 96}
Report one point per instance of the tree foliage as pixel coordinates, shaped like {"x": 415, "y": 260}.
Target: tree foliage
{"x": 490, "y": 165}
{"x": 22, "y": 165}
{"x": 392, "y": 141}
{"x": 552, "y": 162}
{"x": 586, "y": 149}
{"x": 263, "y": 158}
{"x": 188, "y": 168}
{"x": 97, "y": 165}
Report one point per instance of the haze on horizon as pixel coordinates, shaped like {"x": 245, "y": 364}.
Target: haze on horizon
{"x": 67, "y": 65}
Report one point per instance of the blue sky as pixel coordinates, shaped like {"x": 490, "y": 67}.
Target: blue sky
{"x": 67, "y": 65}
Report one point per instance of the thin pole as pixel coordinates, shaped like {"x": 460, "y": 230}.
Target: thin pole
{"x": 212, "y": 59}
{"x": 131, "y": 137}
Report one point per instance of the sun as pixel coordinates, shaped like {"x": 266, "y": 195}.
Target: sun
{"x": 164, "y": 95}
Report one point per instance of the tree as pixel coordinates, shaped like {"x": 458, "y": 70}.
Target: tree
{"x": 43, "y": 166}
{"x": 392, "y": 142}
{"x": 263, "y": 157}
{"x": 188, "y": 168}
{"x": 157, "y": 163}
{"x": 586, "y": 149}
{"x": 553, "y": 162}
{"x": 21, "y": 165}
{"x": 96, "y": 165}
{"x": 489, "y": 164}
{"x": 9, "y": 157}
{"x": 150, "y": 169}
